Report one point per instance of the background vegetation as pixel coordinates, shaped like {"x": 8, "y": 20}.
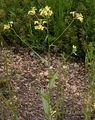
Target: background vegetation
{"x": 78, "y": 34}
{"x": 64, "y": 35}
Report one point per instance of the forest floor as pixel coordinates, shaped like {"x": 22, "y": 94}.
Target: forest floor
{"x": 29, "y": 75}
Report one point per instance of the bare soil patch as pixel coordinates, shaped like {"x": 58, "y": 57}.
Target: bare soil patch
{"x": 29, "y": 75}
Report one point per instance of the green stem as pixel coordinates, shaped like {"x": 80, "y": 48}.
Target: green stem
{"x": 62, "y": 33}
{"x": 42, "y": 59}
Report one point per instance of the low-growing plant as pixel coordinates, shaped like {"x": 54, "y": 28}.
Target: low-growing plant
{"x": 53, "y": 108}
{"x": 7, "y": 97}
{"x": 90, "y": 90}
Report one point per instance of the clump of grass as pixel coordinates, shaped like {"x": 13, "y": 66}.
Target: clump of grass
{"x": 90, "y": 90}
{"x": 54, "y": 107}
{"x": 7, "y": 98}
{"x": 46, "y": 96}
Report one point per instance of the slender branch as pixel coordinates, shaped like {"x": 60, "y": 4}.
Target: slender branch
{"x": 42, "y": 59}
{"x": 62, "y": 33}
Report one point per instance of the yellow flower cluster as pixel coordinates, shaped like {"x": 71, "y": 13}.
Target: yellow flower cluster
{"x": 77, "y": 16}
{"x": 94, "y": 105}
{"x": 46, "y": 12}
{"x": 39, "y": 25}
{"x": 74, "y": 49}
{"x": 8, "y": 26}
{"x": 32, "y": 11}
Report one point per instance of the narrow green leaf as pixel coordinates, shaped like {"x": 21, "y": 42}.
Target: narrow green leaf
{"x": 52, "y": 80}
{"x": 45, "y": 101}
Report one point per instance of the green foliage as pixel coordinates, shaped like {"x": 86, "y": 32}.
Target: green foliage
{"x": 90, "y": 92}
{"x": 46, "y": 104}
{"x": 53, "y": 108}
{"x": 78, "y": 34}
{"x": 46, "y": 96}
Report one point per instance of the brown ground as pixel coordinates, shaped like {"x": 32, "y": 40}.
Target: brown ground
{"x": 29, "y": 75}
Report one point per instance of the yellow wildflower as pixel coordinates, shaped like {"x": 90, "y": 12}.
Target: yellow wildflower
{"x": 94, "y": 105}
{"x": 39, "y": 25}
{"x": 44, "y": 22}
{"x": 10, "y": 23}
{"x": 74, "y": 49}
{"x": 36, "y": 22}
{"x": 77, "y": 16}
{"x": 32, "y": 11}
{"x": 47, "y": 8}
{"x": 73, "y": 13}
{"x": 6, "y": 26}
{"x": 46, "y": 12}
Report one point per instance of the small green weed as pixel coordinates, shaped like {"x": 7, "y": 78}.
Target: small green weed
{"x": 7, "y": 98}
